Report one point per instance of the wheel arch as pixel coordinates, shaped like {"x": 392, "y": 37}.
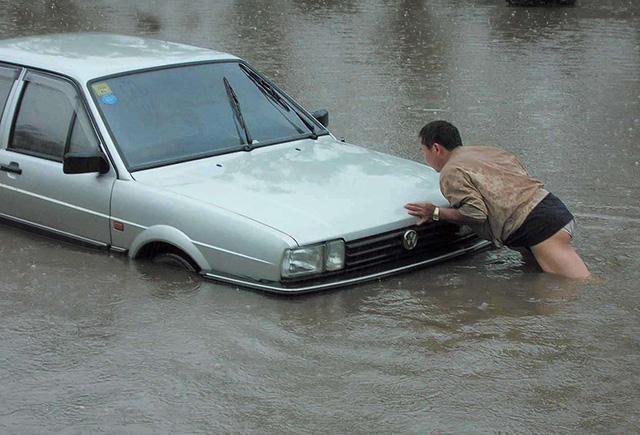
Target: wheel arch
{"x": 159, "y": 235}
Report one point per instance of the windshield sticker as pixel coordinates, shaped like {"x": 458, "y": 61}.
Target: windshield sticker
{"x": 102, "y": 89}
{"x": 109, "y": 99}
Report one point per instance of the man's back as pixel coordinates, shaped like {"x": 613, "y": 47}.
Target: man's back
{"x": 490, "y": 183}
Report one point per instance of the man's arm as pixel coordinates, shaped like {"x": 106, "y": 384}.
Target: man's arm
{"x": 424, "y": 212}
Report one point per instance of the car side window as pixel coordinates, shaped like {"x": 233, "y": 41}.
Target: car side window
{"x": 51, "y": 120}
{"x": 7, "y": 78}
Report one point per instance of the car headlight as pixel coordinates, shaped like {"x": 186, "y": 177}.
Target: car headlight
{"x": 309, "y": 260}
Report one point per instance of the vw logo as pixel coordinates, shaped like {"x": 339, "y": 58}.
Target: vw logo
{"x": 410, "y": 240}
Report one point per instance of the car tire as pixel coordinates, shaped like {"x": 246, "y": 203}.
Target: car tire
{"x": 175, "y": 259}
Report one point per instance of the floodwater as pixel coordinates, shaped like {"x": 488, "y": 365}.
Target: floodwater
{"x": 90, "y": 342}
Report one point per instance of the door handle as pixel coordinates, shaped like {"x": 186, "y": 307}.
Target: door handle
{"x": 11, "y": 167}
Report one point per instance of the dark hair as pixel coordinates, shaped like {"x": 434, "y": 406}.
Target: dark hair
{"x": 443, "y": 132}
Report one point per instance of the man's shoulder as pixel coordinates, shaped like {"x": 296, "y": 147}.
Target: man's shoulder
{"x": 474, "y": 151}
{"x": 463, "y": 157}
{"x": 468, "y": 157}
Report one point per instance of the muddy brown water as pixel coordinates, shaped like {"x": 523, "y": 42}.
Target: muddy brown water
{"x": 90, "y": 342}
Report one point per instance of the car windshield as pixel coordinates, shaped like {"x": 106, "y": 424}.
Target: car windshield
{"x": 183, "y": 113}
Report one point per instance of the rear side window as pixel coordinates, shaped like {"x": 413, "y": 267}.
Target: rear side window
{"x": 51, "y": 120}
{"x": 7, "y": 78}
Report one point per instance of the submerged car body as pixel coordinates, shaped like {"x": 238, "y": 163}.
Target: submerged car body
{"x": 190, "y": 156}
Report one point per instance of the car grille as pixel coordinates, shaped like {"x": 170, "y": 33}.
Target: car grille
{"x": 433, "y": 240}
{"x": 386, "y": 251}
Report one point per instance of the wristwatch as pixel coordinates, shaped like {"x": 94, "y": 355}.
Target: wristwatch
{"x": 436, "y": 214}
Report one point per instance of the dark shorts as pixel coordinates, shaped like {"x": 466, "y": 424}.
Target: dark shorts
{"x": 546, "y": 219}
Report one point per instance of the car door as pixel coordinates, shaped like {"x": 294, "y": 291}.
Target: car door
{"x": 49, "y": 119}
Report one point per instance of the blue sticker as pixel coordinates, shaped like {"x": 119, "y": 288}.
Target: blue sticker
{"x": 109, "y": 99}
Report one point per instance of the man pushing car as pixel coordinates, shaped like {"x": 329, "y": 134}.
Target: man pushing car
{"x": 491, "y": 191}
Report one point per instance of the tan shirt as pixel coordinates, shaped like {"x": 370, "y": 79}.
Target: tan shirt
{"x": 491, "y": 186}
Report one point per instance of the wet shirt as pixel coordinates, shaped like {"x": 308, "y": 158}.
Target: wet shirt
{"x": 492, "y": 187}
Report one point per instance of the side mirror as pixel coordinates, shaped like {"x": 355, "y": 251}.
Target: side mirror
{"x": 322, "y": 116}
{"x": 85, "y": 163}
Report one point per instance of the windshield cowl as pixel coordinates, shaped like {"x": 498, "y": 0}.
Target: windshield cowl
{"x": 242, "y": 148}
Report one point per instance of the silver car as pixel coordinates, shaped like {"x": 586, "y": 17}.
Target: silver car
{"x": 192, "y": 157}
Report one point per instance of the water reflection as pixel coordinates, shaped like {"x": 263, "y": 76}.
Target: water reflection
{"x": 148, "y": 24}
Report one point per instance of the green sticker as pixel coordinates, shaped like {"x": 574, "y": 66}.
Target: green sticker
{"x": 102, "y": 89}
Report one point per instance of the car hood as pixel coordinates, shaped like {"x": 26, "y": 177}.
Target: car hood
{"x": 310, "y": 190}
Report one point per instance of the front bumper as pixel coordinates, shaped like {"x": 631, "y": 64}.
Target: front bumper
{"x": 321, "y": 283}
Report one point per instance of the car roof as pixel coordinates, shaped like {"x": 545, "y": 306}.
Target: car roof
{"x": 86, "y": 56}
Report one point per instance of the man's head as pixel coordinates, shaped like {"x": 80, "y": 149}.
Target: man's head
{"x": 437, "y": 140}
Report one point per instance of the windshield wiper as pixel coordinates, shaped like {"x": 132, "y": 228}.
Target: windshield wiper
{"x": 235, "y": 105}
{"x": 309, "y": 125}
{"x": 273, "y": 96}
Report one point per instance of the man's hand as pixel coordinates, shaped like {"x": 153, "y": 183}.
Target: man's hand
{"x": 422, "y": 210}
